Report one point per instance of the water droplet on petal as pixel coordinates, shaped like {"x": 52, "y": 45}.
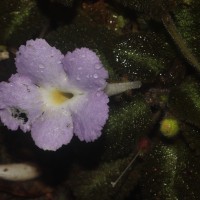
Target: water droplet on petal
{"x": 80, "y": 68}
{"x": 99, "y": 89}
{"x": 88, "y": 76}
{"x": 95, "y": 76}
{"x": 41, "y": 66}
{"x": 97, "y": 66}
{"x": 59, "y": 62}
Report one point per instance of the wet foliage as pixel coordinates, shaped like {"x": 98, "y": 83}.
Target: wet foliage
{"x": 153, "y": 41}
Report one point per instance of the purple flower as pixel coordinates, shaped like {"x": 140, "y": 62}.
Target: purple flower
{"x": 54, "y": 96}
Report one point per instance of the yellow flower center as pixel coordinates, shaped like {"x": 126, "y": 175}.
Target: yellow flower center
{"x": 59, "y": 97}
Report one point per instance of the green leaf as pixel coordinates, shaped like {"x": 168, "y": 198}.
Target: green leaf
{"x": 187, "y": 21}
{"x": 192, "y": 137}
{"x": 96, "y": 183}
{"x": 171, "y": 172}
{"x": 152, "y": 8}
{"x": 184, "y": 102}
{"x": 126, "y": 124}
{"x": 20, "y": 21}
{"x": 142, "y": 56}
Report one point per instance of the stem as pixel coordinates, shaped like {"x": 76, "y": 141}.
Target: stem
{"x": 180, "y": 42}
{"x": 125, "y": 170}
{"x": 117, "y": 88}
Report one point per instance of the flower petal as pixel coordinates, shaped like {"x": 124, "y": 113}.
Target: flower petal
{"x": 18, "y": 97}
{"x": 11, "y": 122}
{"x": 90, "y": 119}
{"x": 41, "y": 62}
{"x": 85, "y": 69}
{"x": 53, "y": 129}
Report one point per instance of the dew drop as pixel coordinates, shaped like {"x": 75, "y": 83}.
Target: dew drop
{"x": 80, "y": 68}
{"x": 97, "y": 66}
{"x": 99, "y": 89}
{"x": 41, "y": 66}
{"x": 95, "y": 76}
{"x": 88, "y": 76}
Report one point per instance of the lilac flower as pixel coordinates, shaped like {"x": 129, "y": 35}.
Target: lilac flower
{"x": 54, "y": 96}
